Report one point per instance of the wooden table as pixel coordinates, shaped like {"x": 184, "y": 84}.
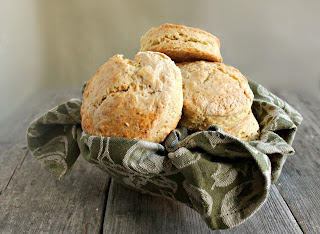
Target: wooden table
{"x": 87, "y": 200}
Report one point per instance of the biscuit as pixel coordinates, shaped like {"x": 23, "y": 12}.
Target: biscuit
{"x": 246, "y": 130}
{"x": 182, "y": 44}
{"x": 214, "y": 93}
{"x": 139, "y": 99}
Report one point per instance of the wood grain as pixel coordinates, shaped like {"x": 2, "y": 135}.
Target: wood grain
{"x": 33, "y": 201}
{"x": 11, "y": 158}
{"x": 131, "y": 212}
{"x": 36, "y": 202}
{"x": 13, "y": 129}
{"x": 13, "y": 145}
{"x": 299, "y": 183}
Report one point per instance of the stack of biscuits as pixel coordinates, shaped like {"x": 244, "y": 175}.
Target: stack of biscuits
{"x": 177, "y": 79}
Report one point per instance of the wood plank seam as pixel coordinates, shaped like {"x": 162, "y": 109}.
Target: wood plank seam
{"x": 15, "y": 169}
{"x": 105, "y": 206}
{"x": 293, "y": 215}
{"x": 301, "y": 174}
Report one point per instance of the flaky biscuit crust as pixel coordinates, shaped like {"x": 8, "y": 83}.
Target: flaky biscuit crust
{"x": 139, "y": 99}
{"x": 182, "y": 43}
{"x": 214, "y": 93}
{"x": 246, "y": 130}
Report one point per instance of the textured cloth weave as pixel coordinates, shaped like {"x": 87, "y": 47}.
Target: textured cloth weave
{"x": 223, "y": 178}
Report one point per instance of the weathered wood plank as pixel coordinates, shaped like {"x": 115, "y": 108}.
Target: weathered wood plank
{"x": 13, "y": 129}
{"x": 13, "y": 145}
{"x": 67, "y": 206}
{"x": 33, "y": 201}
{"x": 36, "y": 202}
{"x": 131, "y": 212}
{"x": 300, "y": 179}
{"x": 11, "y": 157}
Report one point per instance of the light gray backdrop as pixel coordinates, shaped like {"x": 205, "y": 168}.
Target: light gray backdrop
{"x": 56, "y": 44}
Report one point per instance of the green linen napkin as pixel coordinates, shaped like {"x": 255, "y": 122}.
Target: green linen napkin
{"x": 223, "y": 178}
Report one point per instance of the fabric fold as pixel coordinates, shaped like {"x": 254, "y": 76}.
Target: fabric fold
{"x": 52, "y": 138}
{"x": 223, "y": 178}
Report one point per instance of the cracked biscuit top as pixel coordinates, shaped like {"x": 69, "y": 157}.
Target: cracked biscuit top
{"x": 182, "y": 44}
{"x": 139, "y": 99}
{"x": 213, "y": 93}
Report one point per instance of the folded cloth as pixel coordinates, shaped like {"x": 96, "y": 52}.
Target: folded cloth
{"x": 223, "y": 178}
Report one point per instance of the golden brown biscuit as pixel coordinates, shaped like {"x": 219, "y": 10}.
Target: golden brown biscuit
{"x": 246, "y": 130}
{"x": 139, "y": 99}
{"x": 214, "y": 93}
{"x": 182, "y": 44}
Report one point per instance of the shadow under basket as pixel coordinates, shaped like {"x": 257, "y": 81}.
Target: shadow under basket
{"x": 224, "y": 179}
